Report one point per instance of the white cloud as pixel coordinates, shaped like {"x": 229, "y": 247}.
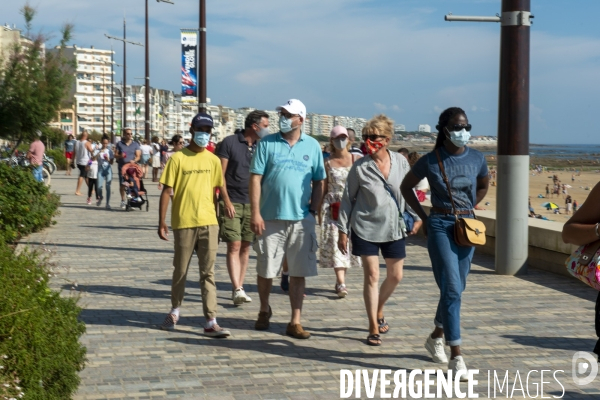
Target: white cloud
{"x": 380, "y": 107}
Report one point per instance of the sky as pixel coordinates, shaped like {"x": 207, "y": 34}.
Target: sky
{"x": 356, "y": 57}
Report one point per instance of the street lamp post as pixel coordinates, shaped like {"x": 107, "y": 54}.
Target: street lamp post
{"x": 202, "y": 89}
{"x": 147, "y": 94}
{"x": 124, "y": 92}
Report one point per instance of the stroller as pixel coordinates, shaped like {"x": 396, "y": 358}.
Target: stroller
{"x": 134, "y": 187}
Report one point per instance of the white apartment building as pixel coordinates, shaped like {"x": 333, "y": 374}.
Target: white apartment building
{"x": 90, "y": 94}
{"x": 399, "y": 128}
{"x": 425, "y": 128}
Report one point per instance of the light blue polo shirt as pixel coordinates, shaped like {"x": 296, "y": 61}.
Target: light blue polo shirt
{"x": 287, "y": 175}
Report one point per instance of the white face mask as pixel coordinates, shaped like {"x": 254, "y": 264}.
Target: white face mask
{"x": 459, "y": 138}
{"x": 340, "y": 143}
{"x": 263, "y": 132}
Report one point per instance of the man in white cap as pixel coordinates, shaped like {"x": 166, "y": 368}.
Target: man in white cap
{"x": 286, "y": 187}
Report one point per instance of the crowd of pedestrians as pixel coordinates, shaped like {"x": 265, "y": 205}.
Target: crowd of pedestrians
{"x": 268, "y": 191}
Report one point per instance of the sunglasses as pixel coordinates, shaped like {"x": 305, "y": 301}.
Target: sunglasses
{"x": 460, "y": 127}
{"x": 374, "y": 137}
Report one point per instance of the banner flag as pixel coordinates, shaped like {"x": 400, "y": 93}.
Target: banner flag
{"x": 189, "y": 66}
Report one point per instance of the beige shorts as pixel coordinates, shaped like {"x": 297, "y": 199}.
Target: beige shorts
{"x": 294, "y": 240}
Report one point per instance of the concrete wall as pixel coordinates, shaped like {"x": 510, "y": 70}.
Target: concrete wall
{"x": 546, "y": 248}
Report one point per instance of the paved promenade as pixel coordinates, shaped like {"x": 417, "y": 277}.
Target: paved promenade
{"x": 115, "y": 262}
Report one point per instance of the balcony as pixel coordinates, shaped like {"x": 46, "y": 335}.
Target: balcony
{"x": 67, "y": 120}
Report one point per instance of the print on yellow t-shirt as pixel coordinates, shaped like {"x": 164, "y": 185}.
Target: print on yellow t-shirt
{"x": 193, "y": 177}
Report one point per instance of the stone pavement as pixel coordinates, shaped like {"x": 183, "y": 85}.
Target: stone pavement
{"x": 116, "y": 263}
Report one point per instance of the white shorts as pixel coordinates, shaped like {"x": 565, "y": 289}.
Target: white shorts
{"x": 294, "y": 240}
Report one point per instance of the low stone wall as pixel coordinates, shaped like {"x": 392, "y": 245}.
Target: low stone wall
{"x": 547, "y": 251}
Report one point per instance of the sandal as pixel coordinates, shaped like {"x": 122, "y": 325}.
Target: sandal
{"x": 383, "y": 325}
{"x": 374, "y": 340}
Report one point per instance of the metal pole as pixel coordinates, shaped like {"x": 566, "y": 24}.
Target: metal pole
{"x": 147, "y": 93}
{"x": 112, "y": 96}
{"x": 103, "y": 100}
{"x": 513, "y": 140}
{"x": 202, "y": 58}
{"x": 124, "y": 93}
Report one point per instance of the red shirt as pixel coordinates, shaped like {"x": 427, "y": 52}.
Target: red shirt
{"x": 211, "y": 147}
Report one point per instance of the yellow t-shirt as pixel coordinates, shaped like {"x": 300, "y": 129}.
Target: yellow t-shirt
{"x": 193, "y": 177}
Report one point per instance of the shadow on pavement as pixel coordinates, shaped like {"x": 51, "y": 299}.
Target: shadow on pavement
{"x": 131, "y": 292}
{"x": 290, "y": 349}
{"x": 556, "y": 343}
{"x": 87, "y": 246}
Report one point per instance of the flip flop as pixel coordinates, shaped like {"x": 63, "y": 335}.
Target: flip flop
{"x": 374, "y": 340}
{"x": 383, "y": 325}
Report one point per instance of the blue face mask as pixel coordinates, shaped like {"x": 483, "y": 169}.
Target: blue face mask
{"x": 459, "y": 138}
{"x": 285, "y": 124}
{"x": 201, "y": 138}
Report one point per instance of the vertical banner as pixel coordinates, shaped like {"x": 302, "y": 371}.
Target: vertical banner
{"x": 189, "y": 66}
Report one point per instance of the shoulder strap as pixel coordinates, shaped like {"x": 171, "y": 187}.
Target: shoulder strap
{"x": 443, "y": 171}
{"x": 389, "y": 190}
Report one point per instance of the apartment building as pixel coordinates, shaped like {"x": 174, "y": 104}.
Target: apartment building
{"x": 425, "y": 128}
{"x": 90, "y": 93}
{"x": 9, "y": 36}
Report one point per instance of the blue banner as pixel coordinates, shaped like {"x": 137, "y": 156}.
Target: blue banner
{"x": 189, "y": 66}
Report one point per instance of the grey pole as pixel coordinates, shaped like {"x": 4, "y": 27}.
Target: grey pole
{"x": 512, "y": 233}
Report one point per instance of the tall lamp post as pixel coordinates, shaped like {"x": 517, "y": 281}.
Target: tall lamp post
{"x": 124, "y": 93}
{"x": 513, "y": 134}
{"x": 202, "y": 105}
{"x": 147, "y": 94}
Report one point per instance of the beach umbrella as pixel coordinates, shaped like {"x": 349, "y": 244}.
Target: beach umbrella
{"x": 550, "y": 205}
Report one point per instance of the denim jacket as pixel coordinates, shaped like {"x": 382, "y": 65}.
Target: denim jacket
{"x": 367, "y": 206}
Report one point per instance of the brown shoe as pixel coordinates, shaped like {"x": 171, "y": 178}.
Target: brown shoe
{"x": 262, "y": 324}
{"x": 296, "y": 331}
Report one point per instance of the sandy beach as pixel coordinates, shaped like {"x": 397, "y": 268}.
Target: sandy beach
{"x": 588, "y": 178}
{"x": 537, "y": 186}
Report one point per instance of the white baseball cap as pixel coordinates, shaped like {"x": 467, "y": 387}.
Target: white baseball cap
{"x": 294, "y": 106}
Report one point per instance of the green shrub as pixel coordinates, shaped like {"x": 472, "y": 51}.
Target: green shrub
{"x": 25, "y": 205}
{"x": 59, "y": 158}
{"x": 40, "y": 353}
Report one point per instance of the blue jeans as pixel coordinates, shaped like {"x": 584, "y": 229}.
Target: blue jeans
{"x": 37, "y": 173}
{"x": 104, "y": 175}
{"x": 451, "y": 265}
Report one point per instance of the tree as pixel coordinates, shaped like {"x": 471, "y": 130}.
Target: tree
{"x": 33, "y": 85}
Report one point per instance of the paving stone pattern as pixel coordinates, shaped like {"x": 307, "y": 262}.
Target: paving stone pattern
{"x": 115, "y": 262}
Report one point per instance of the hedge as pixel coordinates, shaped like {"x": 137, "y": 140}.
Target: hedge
{"x": 40, "y": 353}
{"x": 26, "y": 205}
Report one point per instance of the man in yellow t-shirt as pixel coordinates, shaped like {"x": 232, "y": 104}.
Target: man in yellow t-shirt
{"x": 193, "y": 173}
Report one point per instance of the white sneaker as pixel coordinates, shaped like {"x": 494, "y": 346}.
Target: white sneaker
{"x": 247, "y": 298}
{"x": 123, "y": 204}
{"x": 238, "y": 297}
{"x": 456, "y": 365}
{"x": 435, "y": 347}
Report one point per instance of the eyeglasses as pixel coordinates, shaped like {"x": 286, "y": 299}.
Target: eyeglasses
{"x": 374, "y": 137}
{"x": 180, "y": 142}
{"x": 460, "y": 127}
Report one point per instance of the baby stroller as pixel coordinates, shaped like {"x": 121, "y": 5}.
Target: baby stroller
{"x": 135, "y": 191}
